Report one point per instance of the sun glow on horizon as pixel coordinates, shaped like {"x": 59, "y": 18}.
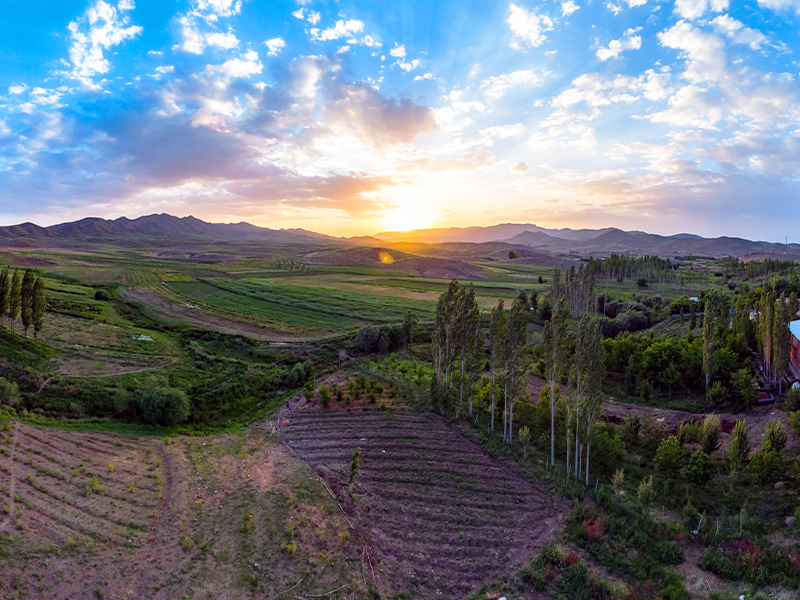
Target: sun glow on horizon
{"x": 409, "y": 214}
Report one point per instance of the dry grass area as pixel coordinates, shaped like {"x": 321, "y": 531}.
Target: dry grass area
{"x": 109, "y": 516}
{"x": 437, "y": 516}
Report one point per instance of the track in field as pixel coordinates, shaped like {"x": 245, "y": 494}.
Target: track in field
{"x": 442, "y": 516}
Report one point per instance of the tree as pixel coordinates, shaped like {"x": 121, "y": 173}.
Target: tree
{"x": 497, "y": 347}
{"x": 5, "y": 288}
{"x": 39, "y": 307}
{"x": 26, "y": 300}
{"x": 744, "y": 382}
{"x": 525, "y": 438}
{"x": 699, "y": 468}
{"x": 775, "y": 434}
{"x": 15, "y": 298}
{"x": 469, "y": 317}
{"x": 9, "y": 392}
{"x": 324, "y": 395}
{"x": 764, "y": 331}
{"x": 715, "y": 316}
{"x": 738, "y": 446}
{"x": 355, "y": 465}
{"x": 645, "y": 493}
{"x": 410, "y": 325}
{"x": 165, "y": 406}
{"x": 669, "y": 456}
{"x": 590, "y": 355}
{"x": 709, "y": 434}
{"x": 555, "y": 338}
{"x": 515, "y": 365}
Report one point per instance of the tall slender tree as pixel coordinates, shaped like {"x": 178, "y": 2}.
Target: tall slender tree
{"x": 5, "y": 288}
{"x": 39, "y": 307}
{"x": 715, "y": 316}
{"x": 555, "y": 337}
{"x": 15, "y": 298}
{"x": 516, "y": 357}
{"x": 497, "y": 336}
{"x": 593, "y": 383}
{"x": 765, "y": 308}
{"x": 26, "y": 300}
{"x": 468, "y": 315}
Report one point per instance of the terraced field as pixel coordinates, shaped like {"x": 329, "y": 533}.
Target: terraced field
{"x": 441, "y": 516}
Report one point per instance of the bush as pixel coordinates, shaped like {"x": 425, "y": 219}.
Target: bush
{"x": 9, "y": 392}
{"x": 102, "y": 295}
{"x": 766, "y": 464}
{"x": 645, "y": 493}
{"x": 324, "y": 395}
{"x": 794, "y": 422}
{"x": 165, "y": 406}
{"x": 630, "y": 428}
{"x": 653, "y": 432}
{"x": 669, "y": 553}
{"x": 709, "y": 434}
{"x": 792, "y": 402}
{"x": 669, "y": 456}
{"x": 717, "y": 393}
{"x": 739, "y": 445}
{"x": 745, "y": 384}
{"x": 715, "y": 561}
{"x": 775, "y": 433}
{"x": 700, "y": 468}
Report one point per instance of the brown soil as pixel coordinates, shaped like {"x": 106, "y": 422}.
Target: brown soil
{"x": 438, "y": 515}
{"x": 206, "y": 518}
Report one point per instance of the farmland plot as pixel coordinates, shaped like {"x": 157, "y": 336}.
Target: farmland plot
{"x": 109, "y": 516}
{"x": 441, "y": 515}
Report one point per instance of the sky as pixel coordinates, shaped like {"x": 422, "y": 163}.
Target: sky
{"x": 351, "y": 118}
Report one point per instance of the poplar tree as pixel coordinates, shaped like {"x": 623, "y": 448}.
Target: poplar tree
{"x": 26, "y": 301}
{"x": 4, "y": 291}
{"x": 765, "y": 308}
{"x": 497, "y": 336}
{"x": 715, "y": 314}
{"x": 15, "y": 298}
{"x": 785, "y": 310}
{"x": 555, "y": 334}
{"x": 516, "y": 363}
{"x": 468, "y": 341}
{"x": 595, "y": 371}
{"x": 39, "y": 307}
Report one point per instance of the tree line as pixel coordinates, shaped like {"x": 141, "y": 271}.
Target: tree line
{"x": 22, "y": 296}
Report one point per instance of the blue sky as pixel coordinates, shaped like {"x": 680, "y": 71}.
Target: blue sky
{"x": 356, "y": 117}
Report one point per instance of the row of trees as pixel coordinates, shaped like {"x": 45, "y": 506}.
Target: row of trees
{"x": 772, "y": 318}
{"x": 22, "y": 296}
{"x": 576, "y": 287}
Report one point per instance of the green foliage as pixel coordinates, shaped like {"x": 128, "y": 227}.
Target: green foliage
{"x": 165, "y": 406}
{"x": 102, "y": 295}
{"x": 645, "y": 493}
{"x": 299, "y": 374}
{"x": 744, "y": 384}
{"x": 653, "y": 432}
{"x": 709, "y": 434}
{"x": 792, "y": 402}
{"x": 738, "y": 446}
{"x": 669, "y": 456}
{"x": 355, "y": 465}
{"x": 630, "y": 429}
{"x": 700, "y": 468}
{"x": 9, "y": 392}
{"x": 794, "y": 422}
{"x": 775, "y": 434}
{"x": 767, "y": 463}
{"x": 717, "y": 393}
{"x": 324, "y": 395}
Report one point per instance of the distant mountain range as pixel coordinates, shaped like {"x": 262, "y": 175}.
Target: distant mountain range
{"x": 528, "y": 241}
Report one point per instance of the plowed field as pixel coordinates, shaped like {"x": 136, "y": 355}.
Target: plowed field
{"x": 439, "y": 514}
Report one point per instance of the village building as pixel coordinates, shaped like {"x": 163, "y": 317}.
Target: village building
{"x": 794, "y": 327}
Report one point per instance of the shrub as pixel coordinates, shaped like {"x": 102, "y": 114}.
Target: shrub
{"x": 669, "y": 456}
{"x": 618, "y": 483}
{"x": 165, "y": 406}
{"x": 324, "y": 395}
{"x": 630, "y": 428}
{"x": 709, "y": 434}
{"x": 792, "y": 402}
{"x": 645, "y": 493}
{"x": 715, "y": 561}
{"x": 766, "y": 464}
{"x": 699, "y": 468}
{"x": 669, "y": 553}
{"x": 102, "y": 295}
{"x": 739, "y": 445}
{"x": 717, "y": 393}
{"x": 745, "y": 384}
{"x": 653, "y": 432}
{"x": 775, "y": 433}
{"x": 794, "y": 422}
{"x": 9, "y": 392}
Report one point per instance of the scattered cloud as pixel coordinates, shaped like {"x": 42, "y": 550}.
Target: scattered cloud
{"x": 528, "y": 27}
{"x": 399, "y": 51}
{"x": 568, "y": 7}
{"x": 694, "y": 9}
{"x": 736, "y": 31}
{"x": 629, "y": 41}
{"x": 497, "y": 86}
{"x": 340, "y": 30}
{"x": 275, "y": 45}
{"x": 307, "y": 15}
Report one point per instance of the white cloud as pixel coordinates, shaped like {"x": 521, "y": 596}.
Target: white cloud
{"x": 705, "y": 52}
{"x": 691, "y": 106}
{"x": 99, "y": 29}
{"x": 520, "y": 168}
{"x": 635, "y": 3}
{"x": 614, "y": 8}
{"x": 399, "y": 51}
{"x": 370, "y": 41}
{"x": 237, "y": 68}
{"x": 497, "y": 86}
{"x": 408, "y": 66}
{"x": 165, "y": 69}
{"x": 488, "y": 135}
{"x": 629, "y": 41}
{"x": 222, "y": 40}
{"x": 425, "y": 76}
{"x": 126, "y": 5}
{"x": 694, "y": 9}
{"x": 736, "y": 30}
{"x": 568, "y": 7}
{"x": 340, "y": 30}
{"x": 17, "y": 89}
{"x": 310, "y": 16}
{"x": 275, "y": 45}
{"x": 219, "y": 8}
{"x": 780, "y": 4}
{"x": 528, "y": 27}
{"x": 598, "y": 89}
